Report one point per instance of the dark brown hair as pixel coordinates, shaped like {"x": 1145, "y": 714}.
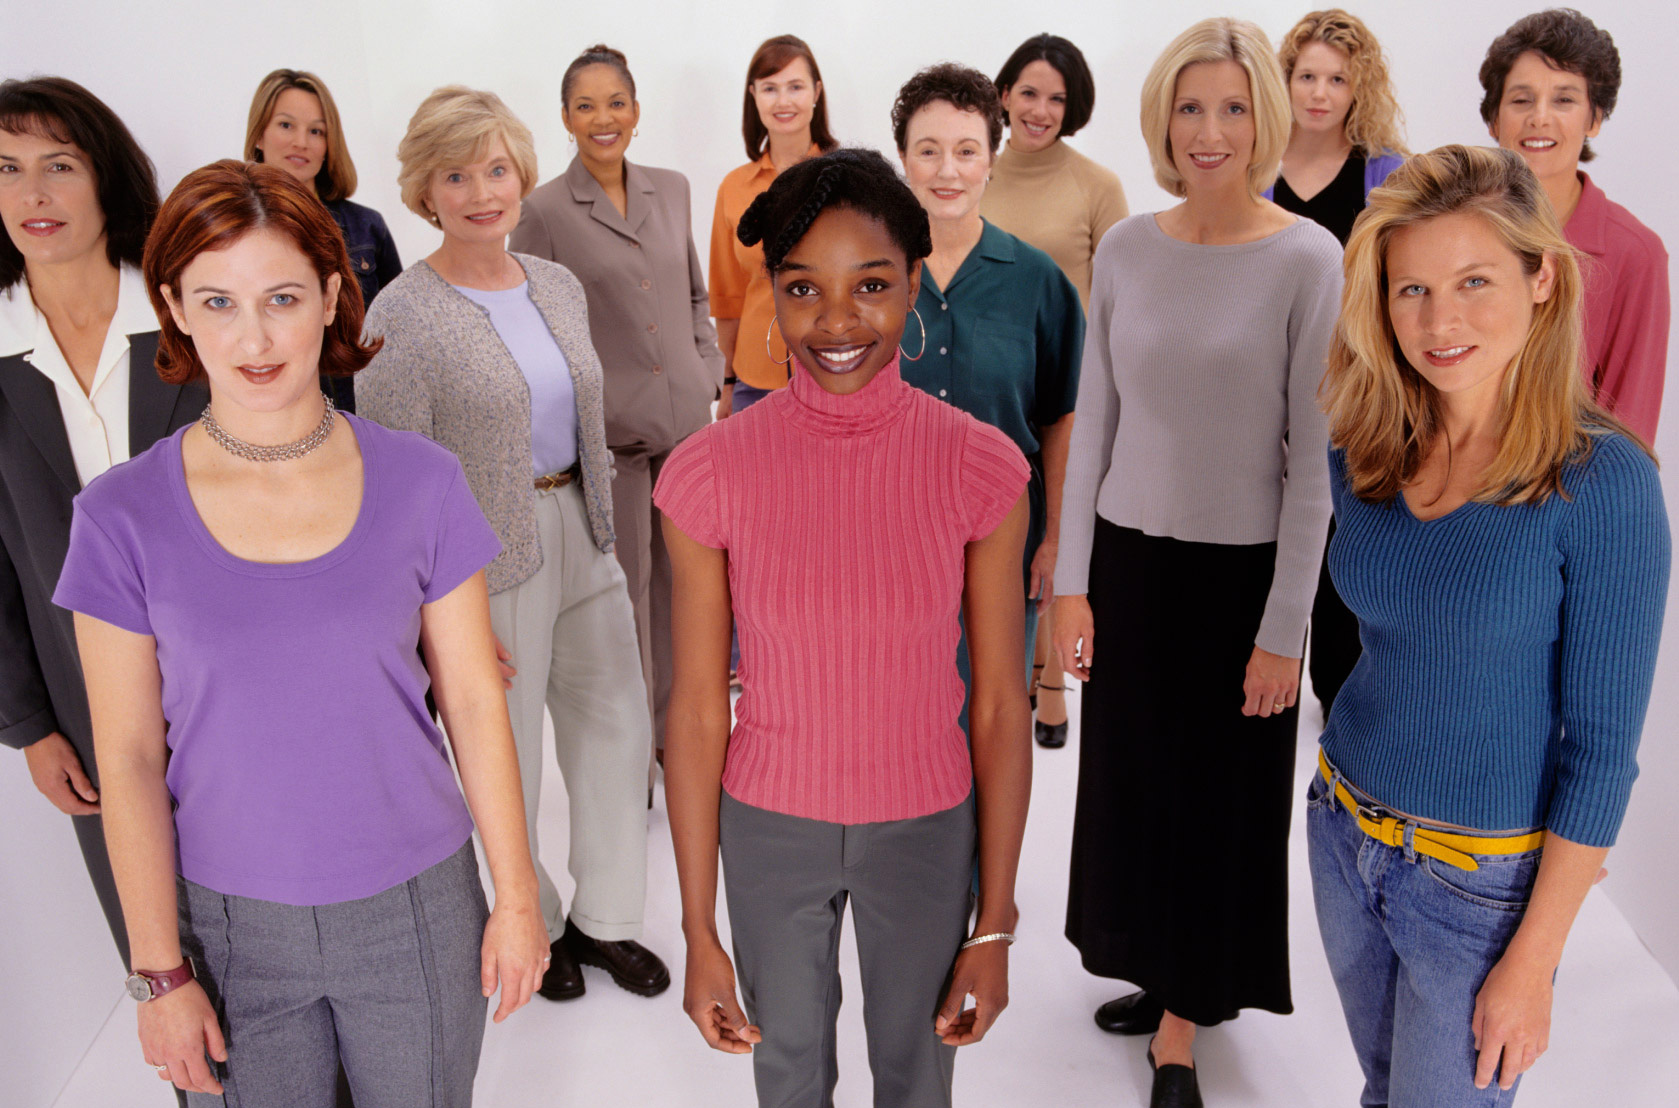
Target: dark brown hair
{"x": 1067, "y": 60}
{"x": 771, "y": 57}
{"x": 61, "y": 110}
{"x": 1566, "y": 40}
{"x": 965, "y": 88}
{"x": 598, "y": 54}
{"x": 214, "y": 207}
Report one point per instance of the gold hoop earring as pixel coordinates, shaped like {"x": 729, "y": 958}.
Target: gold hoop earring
{"x": 569, "y": 137}
{"x": 923, "y": 349}
{"x": 635, "y": 132}
{"x": 771, "y": 353}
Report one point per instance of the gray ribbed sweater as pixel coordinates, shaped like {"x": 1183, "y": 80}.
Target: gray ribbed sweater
{"x": 1197, "y": 408}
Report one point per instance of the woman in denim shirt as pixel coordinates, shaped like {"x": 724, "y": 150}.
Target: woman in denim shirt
{"x": 294, "y": 124}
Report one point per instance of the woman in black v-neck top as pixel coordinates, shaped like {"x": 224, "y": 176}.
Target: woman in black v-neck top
{"x": 1345, "y": 114}
{"x": 1336, "y": 205}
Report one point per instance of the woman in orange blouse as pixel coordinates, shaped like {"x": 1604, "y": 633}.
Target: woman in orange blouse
{"x": 784, "y": 121}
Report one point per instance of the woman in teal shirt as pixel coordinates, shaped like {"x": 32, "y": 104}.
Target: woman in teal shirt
{"x": 1003, "y": 325}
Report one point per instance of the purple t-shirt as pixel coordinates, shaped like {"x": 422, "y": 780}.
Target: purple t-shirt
{"x": 303, "y": 763}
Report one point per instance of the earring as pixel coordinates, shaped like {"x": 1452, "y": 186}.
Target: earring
{"x": 771, "y": 353}
{"x": 923, "y": 349}
{"x": 569, "y": 137}
{"x": 635, "y": 132}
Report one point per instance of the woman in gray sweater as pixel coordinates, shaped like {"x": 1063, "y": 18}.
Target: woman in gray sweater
{"x": 1192, "y": 523}
{"x": 488, "y": 353}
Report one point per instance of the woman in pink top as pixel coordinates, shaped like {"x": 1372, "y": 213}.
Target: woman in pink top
{"x": 844, "y": 523}
{"x": 1550, "y": 81}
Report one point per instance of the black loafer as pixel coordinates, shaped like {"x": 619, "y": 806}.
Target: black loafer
{"x": 563, "y": 980}
{"x": 1137, "y": 1014}
{"x": 635, "y": 968}
{"x": 1050, "y": 736}
{"x": 1175, "y": 1086}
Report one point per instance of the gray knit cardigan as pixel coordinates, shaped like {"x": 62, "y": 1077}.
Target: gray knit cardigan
{"x": 445, "y": 373}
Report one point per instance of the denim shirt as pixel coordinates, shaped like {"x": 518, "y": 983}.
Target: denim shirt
{"x": 374, "y": 261}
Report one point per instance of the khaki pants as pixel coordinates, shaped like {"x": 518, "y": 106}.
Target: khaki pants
{"x": 572, "y": 636}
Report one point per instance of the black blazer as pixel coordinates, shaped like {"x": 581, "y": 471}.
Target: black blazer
{"x": 41, "y": 688}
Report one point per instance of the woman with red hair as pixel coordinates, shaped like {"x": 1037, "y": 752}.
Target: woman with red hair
{"x": 293, "y": 855}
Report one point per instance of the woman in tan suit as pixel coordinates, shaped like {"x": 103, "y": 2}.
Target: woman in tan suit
{"x": 624, "y": 231}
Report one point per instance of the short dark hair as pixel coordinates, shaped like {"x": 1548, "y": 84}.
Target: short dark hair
{"x": 59, "y": 109}
{"x": 1566, "y": 40}
{"x": 216, "y": 206}
{"x": 849, "y": 177}
{"x": 955, "y": 84}
{"x": 772, "y": 56}
{"x": 1067, "y": 60}
{"x": 598, "y": 54}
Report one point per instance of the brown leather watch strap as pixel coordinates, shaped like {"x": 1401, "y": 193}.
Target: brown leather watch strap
{"x": 146, "y": 985}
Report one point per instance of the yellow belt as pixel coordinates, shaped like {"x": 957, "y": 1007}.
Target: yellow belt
{"x": 1452, "y": 847}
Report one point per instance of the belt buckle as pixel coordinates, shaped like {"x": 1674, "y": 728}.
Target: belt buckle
{"x": 1377, "y": 814}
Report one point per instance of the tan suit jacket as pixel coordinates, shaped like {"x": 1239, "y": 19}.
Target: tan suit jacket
{"x": 648, "y": 311}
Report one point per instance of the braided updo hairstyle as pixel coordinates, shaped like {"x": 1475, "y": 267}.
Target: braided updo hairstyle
{"x": 849, "y": 177}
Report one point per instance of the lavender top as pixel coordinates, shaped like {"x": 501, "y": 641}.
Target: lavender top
{"x": 303, "y": 764}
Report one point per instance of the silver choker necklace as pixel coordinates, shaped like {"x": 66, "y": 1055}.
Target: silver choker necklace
{"x": 285, "y": 452}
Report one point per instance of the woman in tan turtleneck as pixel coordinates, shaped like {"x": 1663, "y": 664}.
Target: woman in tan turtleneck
{"x": 1051, "y": 196}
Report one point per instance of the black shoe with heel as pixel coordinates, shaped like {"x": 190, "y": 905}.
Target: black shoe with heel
{"x": 1050, "y": 736}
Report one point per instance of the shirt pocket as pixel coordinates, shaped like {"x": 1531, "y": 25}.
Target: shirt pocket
{"x": 1004, "y": 361}
{"x": 362, "y": 261}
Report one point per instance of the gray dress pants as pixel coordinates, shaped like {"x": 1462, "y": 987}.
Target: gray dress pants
{"x": 909, "y": 884}
{"x": 389, "y": 984}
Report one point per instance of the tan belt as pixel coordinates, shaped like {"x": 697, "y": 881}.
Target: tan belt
{"x": 1452, "y": 847}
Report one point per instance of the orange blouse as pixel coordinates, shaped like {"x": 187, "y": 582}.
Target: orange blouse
{"x": 740, "y": 289}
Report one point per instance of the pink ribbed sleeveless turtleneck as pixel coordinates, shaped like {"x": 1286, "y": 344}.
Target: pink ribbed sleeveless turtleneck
{"x": 845, "y": 519}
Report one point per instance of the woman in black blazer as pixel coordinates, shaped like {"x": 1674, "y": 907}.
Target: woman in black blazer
{"x": 78, "y": 393}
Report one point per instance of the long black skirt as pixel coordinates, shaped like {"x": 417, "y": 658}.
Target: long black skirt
{"x": 1180, "y": 868}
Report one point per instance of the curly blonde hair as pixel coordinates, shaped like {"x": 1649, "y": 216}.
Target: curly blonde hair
{"x": 1375, "y": 125}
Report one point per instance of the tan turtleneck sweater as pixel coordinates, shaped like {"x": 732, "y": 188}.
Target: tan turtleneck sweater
{"x": 1059, "y": 201}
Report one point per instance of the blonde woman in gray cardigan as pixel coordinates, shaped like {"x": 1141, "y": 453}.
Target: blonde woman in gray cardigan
{"x": 488, "y": 353}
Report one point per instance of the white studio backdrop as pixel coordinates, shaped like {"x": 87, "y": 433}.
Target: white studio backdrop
{"x": 181, "y": 75}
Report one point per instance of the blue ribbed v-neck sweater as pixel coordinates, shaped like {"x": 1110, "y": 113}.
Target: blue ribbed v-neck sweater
{"x": 1509, "y": 651}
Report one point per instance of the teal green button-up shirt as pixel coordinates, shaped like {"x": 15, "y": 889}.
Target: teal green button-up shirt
{"x": 1003, "y": 340}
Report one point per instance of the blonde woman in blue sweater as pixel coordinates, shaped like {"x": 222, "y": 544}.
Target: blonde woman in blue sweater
{"x": 1503, "y": 543}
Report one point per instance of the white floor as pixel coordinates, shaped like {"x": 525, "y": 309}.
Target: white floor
{"x": 1615, "y": 1028}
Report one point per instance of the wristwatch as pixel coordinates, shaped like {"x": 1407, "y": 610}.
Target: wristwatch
{"x": 144, "y": 985}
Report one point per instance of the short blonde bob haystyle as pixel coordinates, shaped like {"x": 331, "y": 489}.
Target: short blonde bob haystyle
{"x": 337, "y": 177}
{"x": 1219, "y": 40}
{"x": 452, "y": 127}
{"x": 1384, "y": 413}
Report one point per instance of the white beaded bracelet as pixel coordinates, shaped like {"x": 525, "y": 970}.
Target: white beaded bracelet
{"x": 1005, "y": 936}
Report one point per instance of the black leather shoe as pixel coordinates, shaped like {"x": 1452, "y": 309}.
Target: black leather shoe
{"x": 1050, "y": 736}
{"x": 1137, "y": 1014}
{"x": 634, "y": 967}
{"x": 563, "y": 980}
{"x": 1175, "y": 1086}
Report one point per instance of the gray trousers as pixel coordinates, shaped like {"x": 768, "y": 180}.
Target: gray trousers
{"x": 909, "y": 884}
{"x": 389, "y": 984}
{"x": 647, "y": 573}
{"x": 571, "y": 632}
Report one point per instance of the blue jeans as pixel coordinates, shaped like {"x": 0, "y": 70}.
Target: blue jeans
{"x": 1410, "y": 940}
